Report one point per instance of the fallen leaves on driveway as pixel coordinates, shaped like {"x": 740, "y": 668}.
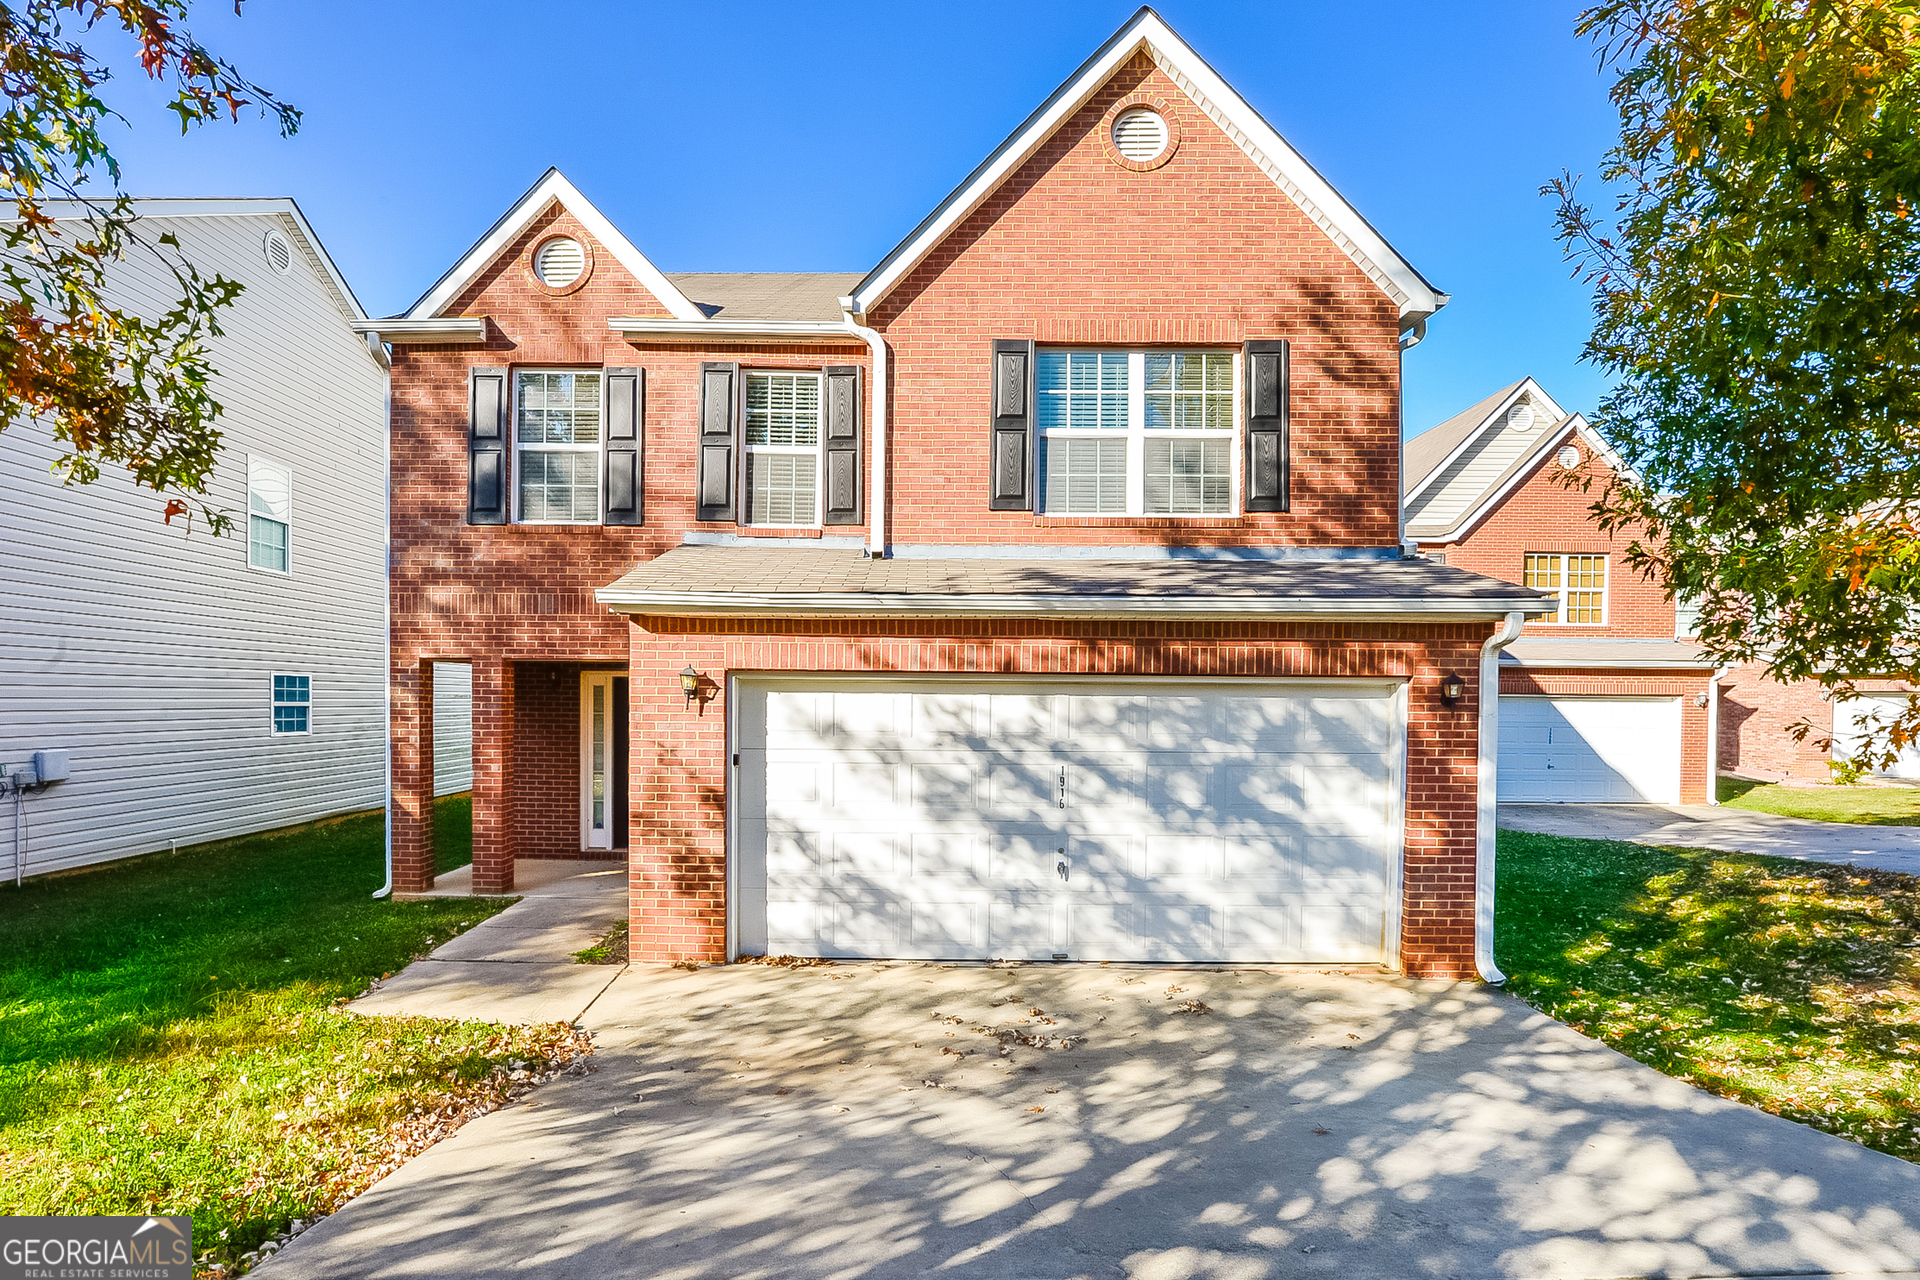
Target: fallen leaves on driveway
{"x": 1190, "y": 1005}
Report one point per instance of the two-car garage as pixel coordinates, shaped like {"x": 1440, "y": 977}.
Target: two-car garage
{"x": 1086, "y": 820}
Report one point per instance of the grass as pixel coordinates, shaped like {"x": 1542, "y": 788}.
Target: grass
{"x": 610, "y": 949}
{"x": 1885, "y": 806}
{"x": 1786, "y": 985}
{"x": 171, "y": 1042}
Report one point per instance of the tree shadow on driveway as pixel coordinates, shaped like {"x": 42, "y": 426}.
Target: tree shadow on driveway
{"x": 884, "y": 1120}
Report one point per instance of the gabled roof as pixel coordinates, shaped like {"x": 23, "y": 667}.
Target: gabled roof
{"x": 1422, "y": 455}
{"x": 1239, "y": 121}
{"x": 552, "y": 188}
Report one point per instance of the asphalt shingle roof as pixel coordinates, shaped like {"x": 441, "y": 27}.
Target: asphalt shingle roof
{"x": 767, "y": 295}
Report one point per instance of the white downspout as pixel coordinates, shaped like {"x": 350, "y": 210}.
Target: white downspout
{"x": 1483, "y": 882}
{"x": 1713, "y": 734}
{"x": 386, "y": 597}
{"x": 877, "y": 483}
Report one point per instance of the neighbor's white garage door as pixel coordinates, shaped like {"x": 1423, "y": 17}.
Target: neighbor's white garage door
{"x": 1851, "y": 720}
{"x": 996, "y": 820}
{"x": 1589, "y": 750}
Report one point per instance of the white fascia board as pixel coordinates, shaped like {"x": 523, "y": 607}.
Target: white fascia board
{"x": 447, "y": 329}
{"x": 1498, "y": 414}
{"x": 230, "y": 207}
{"x": 683, "y": 604}
{"x": 807, "y": 331}
{"x": 1574, "y": 426}
{"x": 1229, "y": 111}
{"x": 553, "y": 186}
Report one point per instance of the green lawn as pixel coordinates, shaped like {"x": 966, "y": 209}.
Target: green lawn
{"x": 170, "y": 1039}
{"x": 1787, "y": 985}
{"x": 1885, "y": 806}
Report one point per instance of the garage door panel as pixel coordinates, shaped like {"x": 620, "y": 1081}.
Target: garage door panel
{"x": 931, "y": 824}
{"x": 1589, "y": 750}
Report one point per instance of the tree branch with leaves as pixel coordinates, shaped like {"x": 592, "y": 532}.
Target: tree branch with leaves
{"x": 119, "y": 388}
{"x": 1757, "y": 296}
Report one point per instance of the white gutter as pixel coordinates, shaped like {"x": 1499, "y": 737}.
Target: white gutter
{"x": 705, "y": 604}
{"x": 1483, "y": 849}
{"x": 809, "y": 331}
{"x": 1713, "y": 734}
{"x": 444, "y": 329}
{"x": 386, "y": 611}
{"x": 877, "y": 485}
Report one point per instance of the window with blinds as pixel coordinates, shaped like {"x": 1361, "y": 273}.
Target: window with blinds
{"x": 783, "y": 449}
{"x": 557, "y": 439}
{"x": 1580, "y": 582}
{"x": 1136, "y": 432}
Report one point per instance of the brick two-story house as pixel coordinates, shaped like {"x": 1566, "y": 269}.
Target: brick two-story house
{"x": 1038, "y": 593}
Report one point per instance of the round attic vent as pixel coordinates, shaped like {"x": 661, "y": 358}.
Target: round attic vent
{"x": 279, "y": 252}
{"x": 1520, "y": 417}
{"x": 1139, "y": 134}
{"x": 559, "y": 262}
{"x": 1568, "y": 457}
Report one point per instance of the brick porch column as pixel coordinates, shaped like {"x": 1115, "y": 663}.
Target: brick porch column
{"x": 494, "y": 845}
{"x": 410, "y": 724}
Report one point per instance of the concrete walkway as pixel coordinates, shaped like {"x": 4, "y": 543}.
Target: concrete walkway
{"x": 517, "y": 966}
{"x": 1701, "y": 826}
{"x": 881, "y": 1121}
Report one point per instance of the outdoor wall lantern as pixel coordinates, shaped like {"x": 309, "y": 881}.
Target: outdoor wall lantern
{"x": 690, "y": 683}
{"x": 1452, "y": 689}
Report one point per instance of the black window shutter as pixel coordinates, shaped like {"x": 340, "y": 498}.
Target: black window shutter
{"x": 719, "y": 440}
{"x": 1267, "y": 396}
{"x": 1011, "y": 481}
{"x": 623, "y": 445}
{"x": 487, "y": 446}
{"x": 840, "y": 453}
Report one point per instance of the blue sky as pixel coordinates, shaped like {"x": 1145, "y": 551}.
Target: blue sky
{"x": 739, "y": 137}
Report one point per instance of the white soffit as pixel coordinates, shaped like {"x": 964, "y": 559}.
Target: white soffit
{"x": 553, "y": 186}
{"x": 1314, "y": 195}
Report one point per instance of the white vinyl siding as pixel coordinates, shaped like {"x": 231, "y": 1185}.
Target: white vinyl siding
{"x": 1136, "y": 433}
{"x": 146, "y": 649}
{"x": 557, "y": 438}
{"x": 269, "y": 516}
{"x": 452, "y": 727}
{"x": 783, "y": 449}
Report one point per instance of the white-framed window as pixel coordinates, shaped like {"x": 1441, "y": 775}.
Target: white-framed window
{"x": 1686, "y": 618}
{"x": 1137, "y": 433}
{"x": 1579, "y": 580}
{"x": 269, "y": 515}
{"x": 556, "y": 438}
{"x": 292, "y": 705}
{"x": 783, "y": 449}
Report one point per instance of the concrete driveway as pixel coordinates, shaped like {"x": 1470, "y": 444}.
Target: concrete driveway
{"x": 852, "y": 1121}
{"x": 1701, "y": 826}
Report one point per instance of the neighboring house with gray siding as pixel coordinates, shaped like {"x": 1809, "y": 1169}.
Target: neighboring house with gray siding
{"x": 206, "y": 687}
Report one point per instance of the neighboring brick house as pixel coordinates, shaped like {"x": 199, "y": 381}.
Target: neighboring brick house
{"x": 1606, "y": 699}
{"x": 1037, "y": 594}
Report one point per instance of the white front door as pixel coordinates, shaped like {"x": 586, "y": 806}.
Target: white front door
{"x": 596, "y": 760}
{"x": 1589, "y": 750}
{"x": 973, "y": 819}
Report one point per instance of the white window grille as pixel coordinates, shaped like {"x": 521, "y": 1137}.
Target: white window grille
{"x": 557, "y": 436}
{"x": 292, "y": 704}
{"x": 1137, "y": 432}
{"x": 783, "y": 449}
{"x": 269, "y": 516}
{"x": 1580, "y": 582}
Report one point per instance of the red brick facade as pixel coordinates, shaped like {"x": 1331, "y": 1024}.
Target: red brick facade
{"x": 1076, "y": 246}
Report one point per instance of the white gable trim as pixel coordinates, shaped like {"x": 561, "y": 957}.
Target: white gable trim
{"x": 1497, "y": 415}
{"x": 553, "y": 186}
{"x": 1575, "y": 426}
{"x": 1239, "y": 121}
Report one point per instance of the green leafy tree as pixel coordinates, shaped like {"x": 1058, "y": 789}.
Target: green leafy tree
{"x": 118, "y": 388}
{"x": 1757, "y": 296}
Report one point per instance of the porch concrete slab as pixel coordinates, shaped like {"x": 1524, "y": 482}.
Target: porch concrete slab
{"x": 539, "y": 877}
{"x": 855, "y": 1121}
{"x": 1701, "y": 826}
{"x": 489, "y": 991}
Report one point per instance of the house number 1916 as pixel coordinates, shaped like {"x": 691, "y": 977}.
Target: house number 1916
{"x": 1063, "y": 786}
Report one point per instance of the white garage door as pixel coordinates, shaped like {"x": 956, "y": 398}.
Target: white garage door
{"x": 974, "y": 820}
{"x": 1589, "y": 750}
{"x": 1851, "y": 719}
